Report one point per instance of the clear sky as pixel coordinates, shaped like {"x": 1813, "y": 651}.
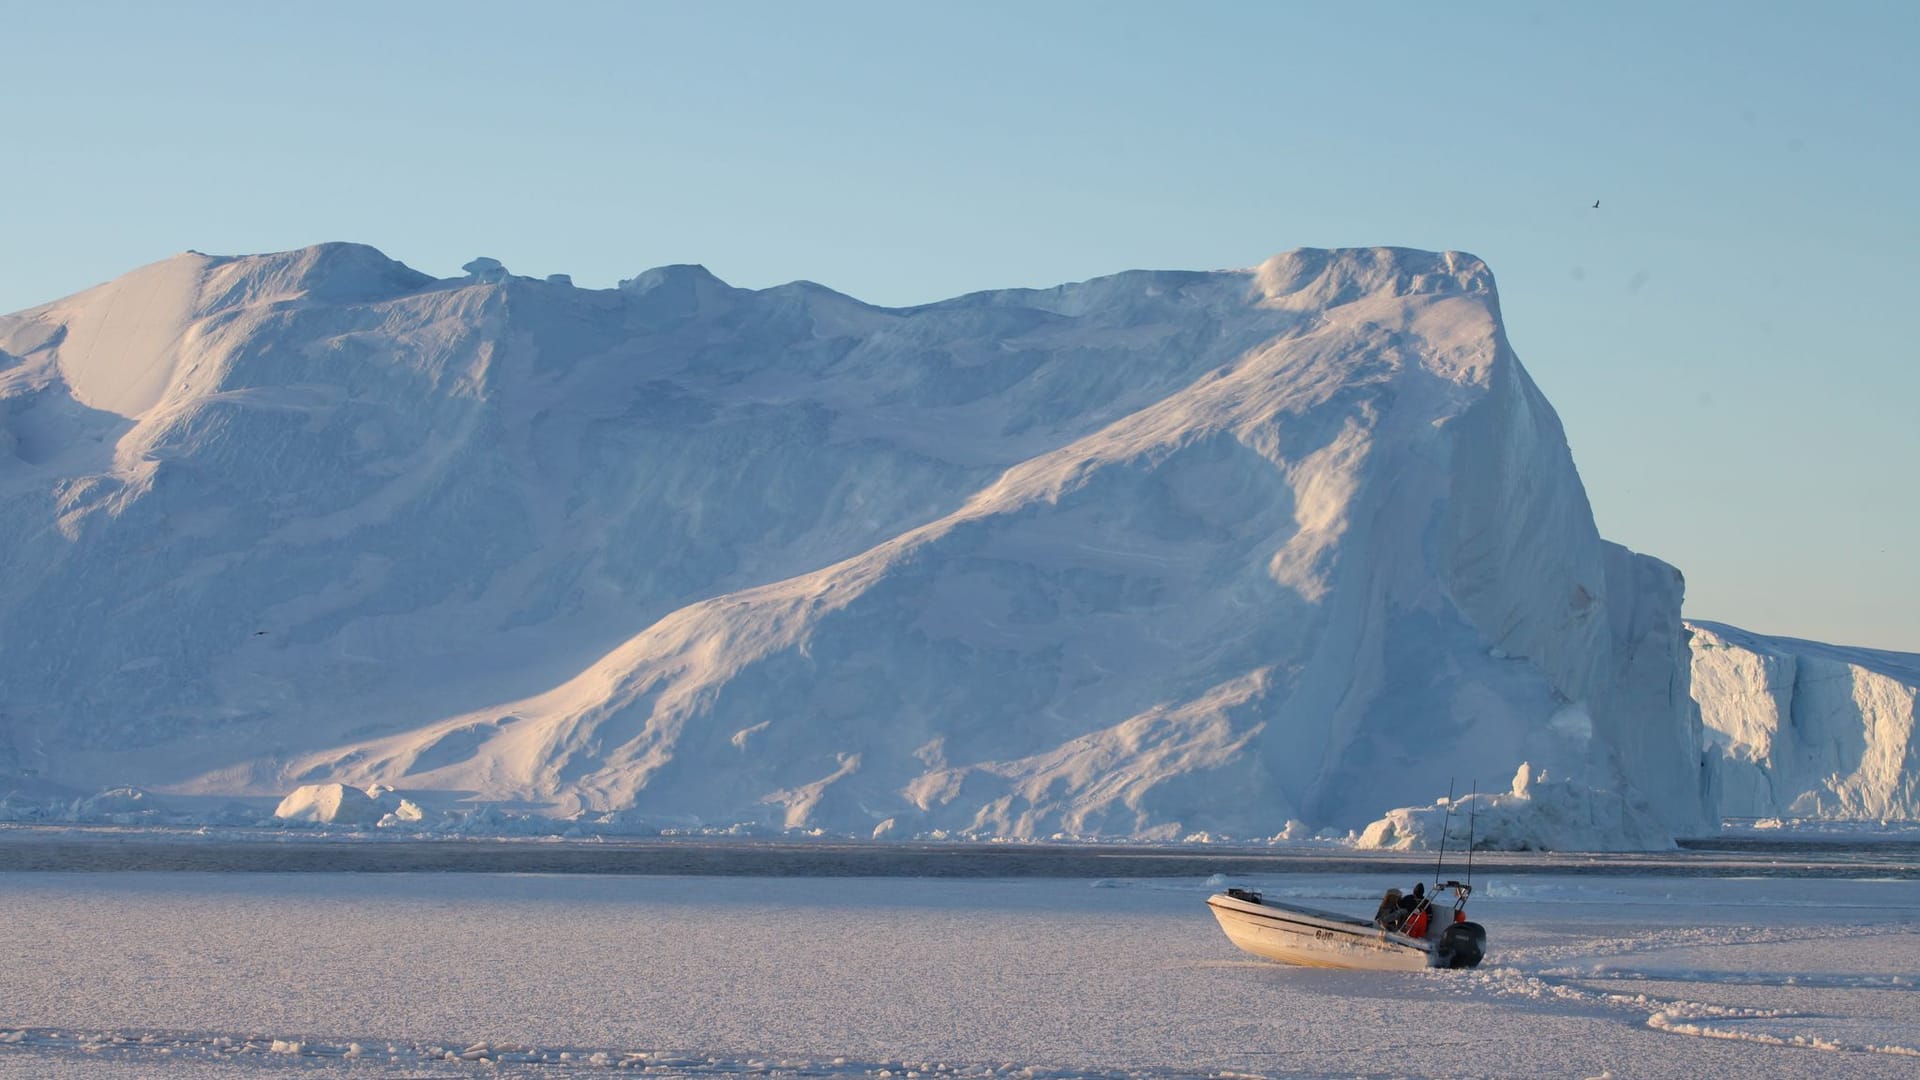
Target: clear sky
{"x": 1724, "y": 336}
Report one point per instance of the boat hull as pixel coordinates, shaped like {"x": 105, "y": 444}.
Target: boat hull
{"x": 1295, "y": 935}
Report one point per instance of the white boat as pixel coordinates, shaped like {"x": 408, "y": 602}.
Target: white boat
{"x": 1435, "y": 937}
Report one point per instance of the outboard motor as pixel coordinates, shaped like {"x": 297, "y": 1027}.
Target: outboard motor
{"x": 1461, "y": 945}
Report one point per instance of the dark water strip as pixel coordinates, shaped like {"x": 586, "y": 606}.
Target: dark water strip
{"x": 23, "y": 851}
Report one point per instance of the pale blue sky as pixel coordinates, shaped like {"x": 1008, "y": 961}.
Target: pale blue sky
{"x": 1725, "y": 337}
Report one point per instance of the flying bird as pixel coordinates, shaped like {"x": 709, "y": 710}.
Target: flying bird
{"x": 1596, "y": 204}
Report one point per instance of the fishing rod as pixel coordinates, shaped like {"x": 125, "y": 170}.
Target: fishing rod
{"x": 1445, "y": 824}
{"x": 1473, "y": 808}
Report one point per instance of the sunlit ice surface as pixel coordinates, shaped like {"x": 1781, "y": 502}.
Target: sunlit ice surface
{"x": 1636, "y": 973}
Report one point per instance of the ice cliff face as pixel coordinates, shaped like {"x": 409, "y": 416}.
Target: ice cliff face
{"x": 1798, "y": 729}
{"x": 1149, "y": 555}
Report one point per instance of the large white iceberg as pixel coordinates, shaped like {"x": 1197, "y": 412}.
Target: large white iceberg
{"x": 1144, "y": 556}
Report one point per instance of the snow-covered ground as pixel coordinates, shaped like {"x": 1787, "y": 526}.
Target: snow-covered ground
{"x": 1647, "y": 974}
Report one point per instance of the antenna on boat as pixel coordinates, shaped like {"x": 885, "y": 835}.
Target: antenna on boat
{"x": 1444, "y": 826}
{"x": 1473, "y": 807}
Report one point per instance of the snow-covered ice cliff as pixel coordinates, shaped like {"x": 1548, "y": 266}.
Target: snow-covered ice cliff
{"x": 1151, "y": 555}
{"x": 1797, "y": 729}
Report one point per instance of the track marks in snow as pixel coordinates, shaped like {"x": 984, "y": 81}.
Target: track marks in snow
{"x": 1790, "y": 1031}
{"x": 1702, "y": 1019}
{"x": 1575, "y": 984}
{"x": 1540, "y": 957}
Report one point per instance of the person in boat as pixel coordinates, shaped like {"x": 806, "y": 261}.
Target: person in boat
{"x": 1389, "y": 914}
{"x": 1396, "y": 907}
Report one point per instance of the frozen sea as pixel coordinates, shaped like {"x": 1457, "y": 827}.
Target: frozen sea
{"x": 1758, "y": 964}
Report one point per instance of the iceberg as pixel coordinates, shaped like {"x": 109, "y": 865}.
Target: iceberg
{"x": 1802, "y": 730}
{"x": 1235, "y": 553}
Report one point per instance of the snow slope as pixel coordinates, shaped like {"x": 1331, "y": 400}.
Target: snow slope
{"x": 1148, "y": 555}
{"x": 1798, "y": 729}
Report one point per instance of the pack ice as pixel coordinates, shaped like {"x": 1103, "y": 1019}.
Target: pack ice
{"x": 1148, "y": 556}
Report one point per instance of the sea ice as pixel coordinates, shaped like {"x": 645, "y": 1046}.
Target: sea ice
{"x": 1644, "y": 975}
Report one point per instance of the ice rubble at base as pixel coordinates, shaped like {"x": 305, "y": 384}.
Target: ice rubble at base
{"x": 119, "y": 806}
{"x": 1537, "y": 813}
{"x": 1157, "y": 555}
{"x": 342, "y": 804}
